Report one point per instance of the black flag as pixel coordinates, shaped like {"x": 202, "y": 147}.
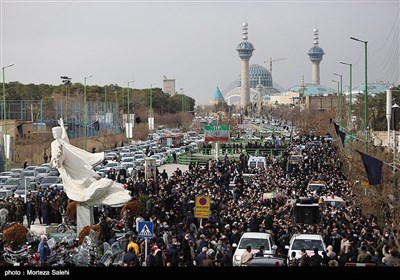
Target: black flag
{"x": 138, "y": 120}
{"x": 373, "y": 168}
{"x": 20, "y": 131}
{"x": 96, "y": 125}
{"x": 337, "y": 128}
{"x": 342, "y": 136}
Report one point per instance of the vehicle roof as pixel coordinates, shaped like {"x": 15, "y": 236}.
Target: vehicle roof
{"x": 268, "y": 260}
{"x": 330, "y": 198}
{"x": 311, "y": 236}
{"x": 317, "y": 182}
{"x": 255, "y": 234}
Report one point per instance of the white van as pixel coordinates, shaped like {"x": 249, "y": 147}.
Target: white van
{"x": 257, "y": 162}
{"x": 255, "y": 240}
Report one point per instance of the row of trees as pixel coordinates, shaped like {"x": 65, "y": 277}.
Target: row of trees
{"x": 139, "y": 99}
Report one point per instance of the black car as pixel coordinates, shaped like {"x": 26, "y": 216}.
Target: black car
{"x": 269, "y": 260}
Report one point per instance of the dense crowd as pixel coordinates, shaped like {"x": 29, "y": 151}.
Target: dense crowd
{"x": 180, "y": 239}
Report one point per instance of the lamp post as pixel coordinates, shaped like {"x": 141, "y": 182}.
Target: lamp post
{"x": 85, "y": 112}
{"x": 5, "y": 135}
{"x": 337, "y": 82}
{"x": 394, "y": 109}
{"x": 350, "y": 107}
{"x": 129, "y": 127}
{"x": 66, "y": 81}
{"x": 365, "y": 92}
{"x": 340, "y": 98}
{"x": 151, "y": 118}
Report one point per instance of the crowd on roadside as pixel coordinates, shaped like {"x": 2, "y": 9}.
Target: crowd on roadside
{"x": 180, "y": 239}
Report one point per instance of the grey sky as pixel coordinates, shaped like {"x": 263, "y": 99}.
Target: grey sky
{"x": 195, "y": 41}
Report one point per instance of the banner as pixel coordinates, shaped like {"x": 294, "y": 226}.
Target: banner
{"x": 7, "y": 146}
{"x": 151, "y": 123}
{"x": 373, "y": 168}
{"x": 216, "y": 133}
{"x": 128, "y": 130}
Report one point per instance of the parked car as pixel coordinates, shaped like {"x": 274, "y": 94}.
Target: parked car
{"x": 12, "y": 184}
{"x": 255, "y": 240}
{"x": 5, "y": 193}
{"x": 48, "y": 181}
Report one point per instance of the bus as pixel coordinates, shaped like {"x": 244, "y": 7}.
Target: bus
{"x": 171, "y": 140}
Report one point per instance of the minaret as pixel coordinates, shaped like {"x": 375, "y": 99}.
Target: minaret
{"x": 245, "y": 50}
{"x": 315, "y": 54}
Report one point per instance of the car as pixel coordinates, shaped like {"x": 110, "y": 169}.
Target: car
{"x": 295, "y": 159}
{"x": 11, "y": 184}
{"x": 269, "y": 260}
{"x": 255, "y": 240}
{"x": 308, "y": 241}
{"x": 48, "y": 181}
{"x": 333, "y": 200}
{"x": 4, "y": 194}
{"x": 317, "y": 186}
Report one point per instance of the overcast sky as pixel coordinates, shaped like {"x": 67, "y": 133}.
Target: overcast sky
{"x": 195, "y": 42}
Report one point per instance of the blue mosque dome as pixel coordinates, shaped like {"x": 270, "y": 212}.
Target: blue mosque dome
{"x": 257, "y": 72}
{"x": 373, "y": 88}
{"x": 313, "y": 90}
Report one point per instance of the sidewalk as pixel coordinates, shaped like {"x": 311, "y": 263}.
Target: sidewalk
{"x": 171, "y": 167}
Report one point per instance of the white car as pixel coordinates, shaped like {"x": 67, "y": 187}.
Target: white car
{"x": 306, "y": 241}
{"x": 255, "y": 240}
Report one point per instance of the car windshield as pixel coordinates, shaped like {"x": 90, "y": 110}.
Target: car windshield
{"x": 255, "y": 243}
{"x": 50, "y": 180}
{"x": 307, "y": 244}
{"x": 12, "y": 181}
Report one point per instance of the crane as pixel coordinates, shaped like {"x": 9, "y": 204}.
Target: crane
{"x": 272, "y": 60}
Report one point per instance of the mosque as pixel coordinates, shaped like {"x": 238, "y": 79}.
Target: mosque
{"x": 256, "y": 85}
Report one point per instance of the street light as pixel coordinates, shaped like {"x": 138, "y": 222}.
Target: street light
{"x": 151, "y": 117}
{"x": 340, "y": 98}
{"x": 6, "y": 138}
{"x": 85, "y": 112}
{"x": 129, "y": 126}
{"x": 66, "y": 81}
{"x": 394, "y": 109}
{"x": 366, "y": 93}
{"x": 349, "y": 122}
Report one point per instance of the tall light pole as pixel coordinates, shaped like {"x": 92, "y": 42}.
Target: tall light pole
{"x": 365, "y": 92}
{"x": 6, "y": 138}
{"x": 129, "y": 127}
{"x": 337, "y": 82}
{"x": 151, "y": 117}
{"x": 350, "y": 107}
{"x": 340, "y": 93}
{"x": 85, "y": 112}
{"x": 66, "y": 81}
{"x": 395, "y": 107}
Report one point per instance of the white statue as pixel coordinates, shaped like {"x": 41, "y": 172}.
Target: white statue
{"x": 81, "y": 182}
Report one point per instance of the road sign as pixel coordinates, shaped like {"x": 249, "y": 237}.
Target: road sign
{"x": 145, "y": 229}
{"x": 202, "y": 207}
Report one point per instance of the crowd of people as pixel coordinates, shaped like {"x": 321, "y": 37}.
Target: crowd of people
{"x": 180, "y": 239}
{"x": 187, "y": 241}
